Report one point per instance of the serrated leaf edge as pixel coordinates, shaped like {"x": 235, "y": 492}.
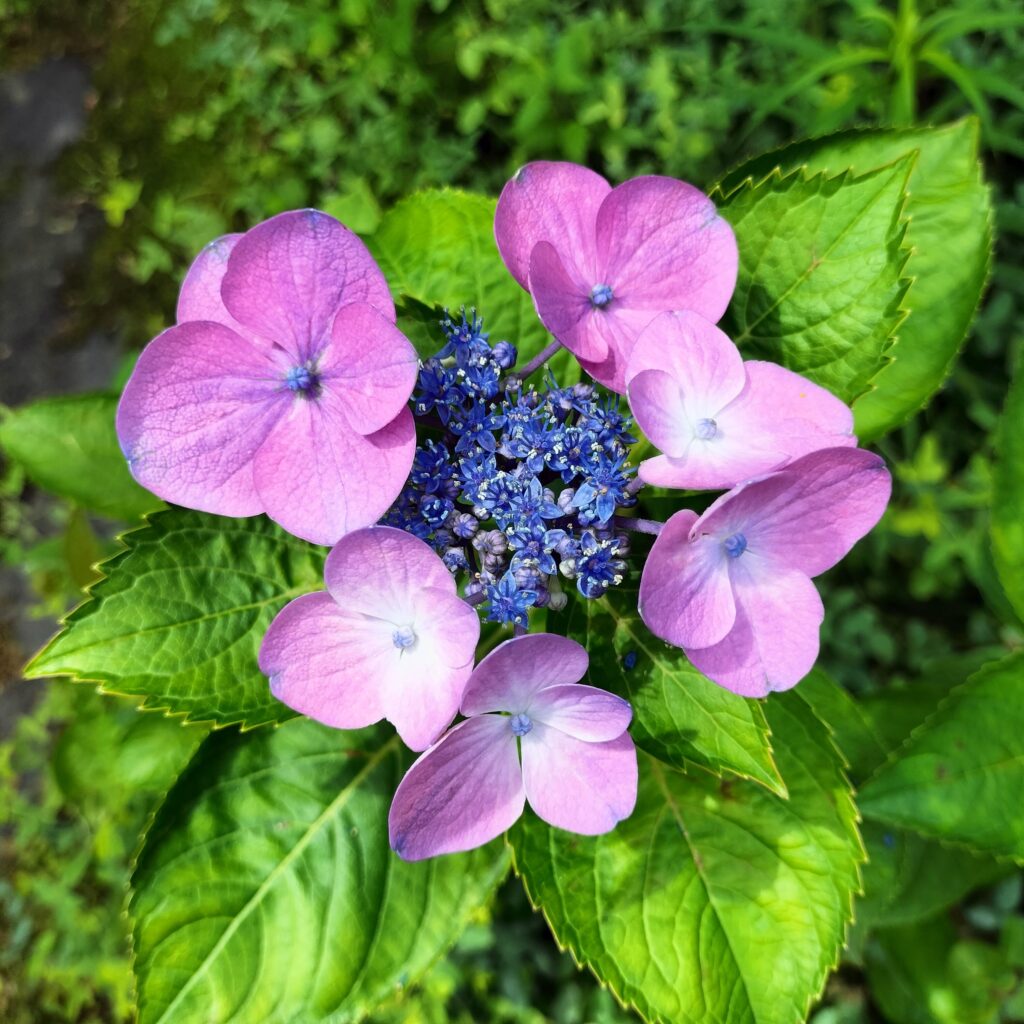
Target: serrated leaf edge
{"x": 147, "y": 705}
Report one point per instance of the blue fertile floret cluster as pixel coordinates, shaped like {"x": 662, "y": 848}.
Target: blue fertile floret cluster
{"x": 518, "y": 487}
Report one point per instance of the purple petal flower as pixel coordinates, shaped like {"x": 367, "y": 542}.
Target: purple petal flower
{"x": 390, "y": 639}
{"x": 601, "y": 263}
{"x": 717, "y": 419}
{"x": 733, "y": 587}
{"x": 282, "y": 389}
{"x": 576, "y": 764}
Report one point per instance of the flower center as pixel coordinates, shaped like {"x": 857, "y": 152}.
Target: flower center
{"x": 735, "y": 545}
{"x": 303, "y": 380}
{"x": 520, "y": 725}
{"x": 601, "y": 295}
{"x": 706, "y": 429}
{"x": 403, "y": 637}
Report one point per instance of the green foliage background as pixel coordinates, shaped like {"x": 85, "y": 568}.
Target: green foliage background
{"x": 212, "y": 114}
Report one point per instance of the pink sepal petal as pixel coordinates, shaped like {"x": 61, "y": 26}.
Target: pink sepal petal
{"x": 619, "y": 326}
{"x": 697, "y": 355}
{"x": 287, "y": 278}
{"x": 371, "y": 365}
{"x": 685, "y": 594}
{"x": 195, "y": 411}
{"x": 508, "y": 677}
{"x": 563, "y": 304}
{"x": 319, "y": 479}
{"x": 774, "y": 642}
{"x": 781, "y": 411}
{"x": 663, "y": 246}
{"x": 199, "y": 298}
{"x": 583, "y": 787}
{"x": 380, "y": 571}
{"x": 657, "y": 407}
{"x": 463, "y": 792}
{"x": 325, "y": 662}
{"x": 422, "y": 696}
{"x": 808, "y": 515}
{"x": 581, "y": 711}
{"x": 554, "y": 202}
{"x": 455, "y": 626}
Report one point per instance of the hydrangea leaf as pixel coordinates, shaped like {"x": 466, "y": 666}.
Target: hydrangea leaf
{"x": 679, "y": 715}
{"x": 949, "y": 233}
{"x": 437, "y": 248}
{"x": 266, "y": 890}
{"x": 716, "y": 900}
{"x": 909, "y": 878}
{"x": 68, "y": 446}
{"x": 180, "y": 613}
{"x": 945, "y": 786}
{"x": 820, "y": 285}
{"x": 1008, "y": 504}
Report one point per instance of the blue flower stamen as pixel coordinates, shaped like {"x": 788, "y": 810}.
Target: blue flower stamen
{"x": 520, "y": 724}
{"x": 303, "y": 380}
{"x": 601, "y": 295}
{"x": 403, "y": 637}
{"x": 706, "y": 429}
{"x": 735, "y": 545}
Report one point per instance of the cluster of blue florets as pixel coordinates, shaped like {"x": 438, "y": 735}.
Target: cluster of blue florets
{"x": 521, "y": 486}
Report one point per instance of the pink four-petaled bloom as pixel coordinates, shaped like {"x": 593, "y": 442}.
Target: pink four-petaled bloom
{"x": 602, "y": 262}
{"x": 390, "y": 639}
{"x": 717, "y": 419}
{"x": 283, "y": 387}
{"x": 733, "y": 586}
{"x": 532, "y": 732}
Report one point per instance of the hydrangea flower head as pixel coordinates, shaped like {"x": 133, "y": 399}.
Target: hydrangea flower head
{"x": 532, "y": 733}
{"x": 602, "y": 262}
{"x": 733, "y": 587}
{"x": 390, "y": 638}
{"x": 283, "y": 387}
{"x": 717, "y": 419}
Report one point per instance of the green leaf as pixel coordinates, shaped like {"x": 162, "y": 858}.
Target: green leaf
{"x": 820, "y": 287}
{"x": 1008, "y": 501}
{"x": 949, "y": 233}
{"x": 960, "y": 776}
{"x": 909, "y": 878}
{"x": 923, "y": 974}
{"x": 266, "y": 890}
{"x": 715, "y": 901}
{"x": 679, "y": 715}
{"x": 180, "y": 614}
{"x": 68, "y": 446}
{"x": 438, "y": 248}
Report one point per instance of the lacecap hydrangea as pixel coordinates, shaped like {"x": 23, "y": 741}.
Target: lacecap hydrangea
{"x": 470, "y": 485}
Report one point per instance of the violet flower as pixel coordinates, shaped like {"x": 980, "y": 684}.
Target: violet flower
{"x": 283, "y": 387}
{"x": 602, "y": 262}
{"x": 390, "y": 639}
{"x": 717, "y": 419}
{"x": 532, "y": 733}
{"x": 733, "y": 587}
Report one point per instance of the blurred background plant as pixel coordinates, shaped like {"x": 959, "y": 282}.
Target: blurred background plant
{"x": 207, "y": 115}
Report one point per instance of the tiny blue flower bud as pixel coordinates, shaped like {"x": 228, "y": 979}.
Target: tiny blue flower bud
{"x": 505, "y": 355}
{"x": 465, "y": 526}
{"x": 601, "y": 295}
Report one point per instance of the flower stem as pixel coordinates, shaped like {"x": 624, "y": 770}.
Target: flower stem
{"x": 651, "y": 526}
{"x": 538, "y": 360}
{"x": 474, "y": 599}
{"x": 518, "y": 630}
